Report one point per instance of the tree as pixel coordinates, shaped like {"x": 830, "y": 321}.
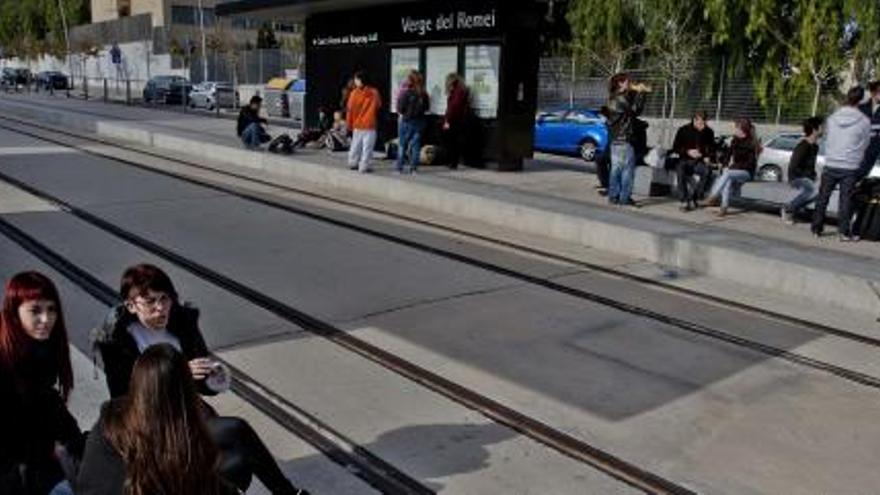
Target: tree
{"x": 674, "y": 38}
{"x": 266, "y": 37}
{"x": 608, "y": 34}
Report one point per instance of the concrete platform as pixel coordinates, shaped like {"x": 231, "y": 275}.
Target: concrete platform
{"x": 550, "y": 199}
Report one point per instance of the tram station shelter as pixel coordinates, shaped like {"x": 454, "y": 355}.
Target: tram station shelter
{"x": 492, "y": 44}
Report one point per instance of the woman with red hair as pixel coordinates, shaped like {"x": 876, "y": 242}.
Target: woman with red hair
{"x": 38, "y": 432}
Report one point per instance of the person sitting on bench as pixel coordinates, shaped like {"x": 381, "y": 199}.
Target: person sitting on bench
{"x": 695, "y": 146}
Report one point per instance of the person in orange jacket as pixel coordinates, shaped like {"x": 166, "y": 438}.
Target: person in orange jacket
{"x": 362, "y": 116}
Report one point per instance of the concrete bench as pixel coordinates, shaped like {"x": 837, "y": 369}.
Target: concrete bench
{"x": 651, "y": 181}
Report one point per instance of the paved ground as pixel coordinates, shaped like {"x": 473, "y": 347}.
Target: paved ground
{"x": 714, "y": 416}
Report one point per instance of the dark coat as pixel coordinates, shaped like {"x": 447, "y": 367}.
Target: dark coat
{"x": 623, "y": 110}
{"x": 246, "y": 117}
{"x": 875, "y": 118}
{"x": 412, "y": 105}
{"x": 119, "y": 350}
{"x": 33, "y": 417}
{"x": 802, "y": 164}
{"x": 103, "y": 471}
{"x": 688, "y": 138}
{"x": 458, "y": 106}
{"x": 743, "y": 155}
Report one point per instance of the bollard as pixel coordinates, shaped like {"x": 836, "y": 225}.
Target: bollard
{"x": 85, "y": 88}
{"x": 106, "y": 96}
{"x": 127, "y": 92}
{"x": 69, "y": 85}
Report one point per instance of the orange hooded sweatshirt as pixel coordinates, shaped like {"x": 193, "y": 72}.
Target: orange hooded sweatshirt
{"x": 363, "y": 108}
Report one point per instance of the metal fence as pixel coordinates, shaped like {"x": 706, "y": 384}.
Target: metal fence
{"x": 566, "y": 82}
{"x": 242, "y": 67}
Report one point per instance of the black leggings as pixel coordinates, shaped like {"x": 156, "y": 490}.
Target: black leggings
{"x": 243, "y": 455}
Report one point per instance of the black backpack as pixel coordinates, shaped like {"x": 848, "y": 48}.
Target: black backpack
{"x": 283, "y": 145}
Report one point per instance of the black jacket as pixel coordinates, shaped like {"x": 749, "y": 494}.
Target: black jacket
{"x": 802, "y": 164}
{"x": 247, "y": 117}
{"x": 623, "y": 109}
{"x": 119, "y": 350}
{"x": 688, "y": 138}
{"x": 412, "y": 104}
{"x": 102, "y": 471}
{"x": 875, "y": 118}
{"x": 33, "y": 417}
{"x": 742, "y": 155}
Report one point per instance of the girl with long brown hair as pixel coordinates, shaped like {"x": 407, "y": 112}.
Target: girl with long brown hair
{"x": 37, "y": 432}
{"x": 740, "y": 162}
{"x": 153, "y": 441}
{"x": 412, "y": 105}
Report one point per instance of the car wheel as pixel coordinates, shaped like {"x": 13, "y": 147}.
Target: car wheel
{"x": 588, "y": 150}
{"x": 770, "y": 173}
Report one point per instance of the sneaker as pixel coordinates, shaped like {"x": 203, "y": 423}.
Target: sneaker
{"x": 632, "y": 203}
{"x": 685, "y": 207}
{"x": 603, "y": 191}
{"x": 848, "y": 238}
{"x": 722, "y": 212}
{"x": 787, "y": 217}
{"x": 352, "y": 167}
{"x": 413, "y": 172}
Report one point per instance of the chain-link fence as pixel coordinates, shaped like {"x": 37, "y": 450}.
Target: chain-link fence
{"x": 243, "y": 67}
{"x": 567, "y": 82}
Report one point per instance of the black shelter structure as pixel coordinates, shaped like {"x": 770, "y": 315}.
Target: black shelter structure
{"x": 493, "y": 44}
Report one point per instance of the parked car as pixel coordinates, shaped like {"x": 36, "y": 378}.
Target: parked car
{"x": 158, "y": 88}
{"x": 776, "y": 153}
{"x": 575, "y": 132}
{"x": 178, "y": 92}
{"x": 14, "y": 78}
{"x": 213, "y": 94}
{"x": 51, "y": 79}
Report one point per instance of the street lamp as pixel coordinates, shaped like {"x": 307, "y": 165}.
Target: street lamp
{"x": 66, "y": 37}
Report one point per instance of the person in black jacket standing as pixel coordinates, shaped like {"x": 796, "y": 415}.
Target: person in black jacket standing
{"x": 625, "y": 103}
{"x": 152, "y": 315}
{"x": 802, "y": 170}
{"x": 37, "y": 432}
{"x": 871, "y": 109}
{"x": 412, "y": 105}
{"x": 695, "y": 145}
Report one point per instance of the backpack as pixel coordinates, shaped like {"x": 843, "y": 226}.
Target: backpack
{"x": 283, "y": 145}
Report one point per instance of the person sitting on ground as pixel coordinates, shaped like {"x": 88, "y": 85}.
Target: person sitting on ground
{"x": 740, "y": 161}
{"x": 695, "y": 145}
{"x": 152, "y": 314}
{"x": 316, "y": 134}
{"x": 38, "y": 435}
{"x": 338, "y": 138}
{"x": 848, "y": 133}
{"x": 802, "y": 170}
{"x": 250, "y": 124}
{"x": 154, "y": 440}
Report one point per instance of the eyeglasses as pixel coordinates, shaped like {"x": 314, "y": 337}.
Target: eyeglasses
{"x": 151, "y": 302}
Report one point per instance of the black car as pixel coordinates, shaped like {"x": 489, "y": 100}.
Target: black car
{"x": 15, "y": 78}
{"x": 159, "y": 89}
{"x": 51, "y": 79}
{"x": 178, "y": 92}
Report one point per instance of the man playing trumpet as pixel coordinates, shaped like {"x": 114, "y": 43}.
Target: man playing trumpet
{"x": 626, "y": 100}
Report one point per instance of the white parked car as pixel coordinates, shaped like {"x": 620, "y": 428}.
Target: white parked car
{"x": 773, "y": 161}
{"x": 213, "y": 94}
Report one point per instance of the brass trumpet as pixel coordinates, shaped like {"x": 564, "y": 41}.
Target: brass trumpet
{"x": 640, "y": 87}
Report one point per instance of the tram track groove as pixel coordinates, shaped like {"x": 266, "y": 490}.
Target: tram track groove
{"x": 229, "y": 190}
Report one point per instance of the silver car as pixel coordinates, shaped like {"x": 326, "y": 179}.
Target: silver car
{"x": 773, "y": 161}
{"x": 213, "y": 94}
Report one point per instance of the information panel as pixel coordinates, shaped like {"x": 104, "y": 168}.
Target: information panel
{"x": 403, "y": 60}
{"x": 482, "y": 69}
{"x": 440, "y": 62}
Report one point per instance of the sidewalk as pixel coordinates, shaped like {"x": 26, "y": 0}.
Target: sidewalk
{"x": 552, "y": 199}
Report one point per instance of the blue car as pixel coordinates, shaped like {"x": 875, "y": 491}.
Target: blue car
{"x": 575, "y": 132}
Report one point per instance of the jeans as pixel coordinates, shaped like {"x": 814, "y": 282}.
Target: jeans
{"x": 253, "y": 136}
{"x": 806, "y": 194}
{"x": 410, "y": 143}
{"x": 62, "y": 488}
{"x": 623, "y": 167}
{"x": 831, "y": 177}
{"x": 361, "y": 150}
{"x": 728, "y": 181}
{"x": 243, "y": 455}
{"x": 688, "y": 192}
